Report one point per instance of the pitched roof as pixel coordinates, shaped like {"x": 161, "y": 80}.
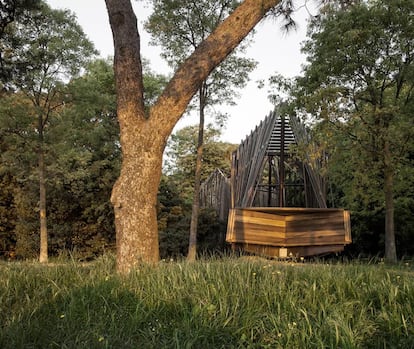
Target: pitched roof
{"x": 272, "y": 137}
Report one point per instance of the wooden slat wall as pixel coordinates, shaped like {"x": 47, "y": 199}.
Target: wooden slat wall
{"x": 248, "y": 162}
{"x": 312, "y": 166}
{"x": 249, "y": 159}
{"x": 215, "y": 193}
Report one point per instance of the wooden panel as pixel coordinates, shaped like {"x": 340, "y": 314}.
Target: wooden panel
{"x": 248, "y": 229}
{"x": 267, "y": 220}
{"x": 347, "y": 224}
{"x": 293, "y": 252}
{"x": 255, "y": 227}
{"x": 306, "y": 230}
{"x": 314, "y": 239}
{"x": 230, "y": 236}
{"x": 262, "y": 239}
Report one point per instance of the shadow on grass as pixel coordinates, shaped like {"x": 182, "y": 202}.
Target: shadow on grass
{"x": 106, "y": 316}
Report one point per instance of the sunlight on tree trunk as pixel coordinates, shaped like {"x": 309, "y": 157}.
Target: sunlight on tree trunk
{"x": 143, "y": 137}
{"x": 134, "y": 198}
{"x": 43, "y": 257}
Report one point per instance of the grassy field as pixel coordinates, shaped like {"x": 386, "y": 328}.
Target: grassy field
{"x": 213, "y": 303}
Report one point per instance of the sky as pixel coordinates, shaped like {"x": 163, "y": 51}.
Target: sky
{"x": 275, "y": 50}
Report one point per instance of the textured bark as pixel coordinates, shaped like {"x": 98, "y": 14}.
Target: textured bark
{"x": 43, "y": 256}
{"x": 135, "y": 193}
{"x": 143, "y": 138}
{"x": 390, "y": 248}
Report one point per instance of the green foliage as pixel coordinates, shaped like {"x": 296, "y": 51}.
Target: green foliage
{"x": 18, "y": 187}
{"x": 173, "y": 220}
{"x": 83, "y": 141}
{"x": 174, "y": 216}
{"x": 154, "y": 84}
{"x": 7, "y": 214}
{"x": 47, "y": 48}
{"x": 12, "y": 11}
{"x": 356, "y": 92}
{"x": 222, "y": 303}
{"x": 83, "y": 157}
{"x": 182, "y": 152}
{"x": 180, "y": 27}
{"x": 211, "y": 237}
{"x": 87, "y": 164}
{"x": 44, "y": 46}
{"x": 176, "y": 192}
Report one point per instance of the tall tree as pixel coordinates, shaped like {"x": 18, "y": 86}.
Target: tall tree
{"x": 180, "y": 28}
{"x": 51, "y": 47}
{"x": 88, "y": 159}
{"x": 144, "y": 135}
{"x": 360, "y": 77}
{"x": 11, "y": 11}
{"x": 86, "y": 143}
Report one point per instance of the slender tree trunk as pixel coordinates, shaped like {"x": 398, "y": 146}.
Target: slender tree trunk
{"x": 390, "y": 249}
{"x": 43, "y": 257}
{"x": 143, "y": 137}
{"x": 192, "y": 246}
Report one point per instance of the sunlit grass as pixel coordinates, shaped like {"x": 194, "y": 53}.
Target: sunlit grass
{"x": 213, "y": 303}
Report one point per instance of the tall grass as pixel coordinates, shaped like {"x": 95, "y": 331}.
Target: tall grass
{"x": 213, "y": 303}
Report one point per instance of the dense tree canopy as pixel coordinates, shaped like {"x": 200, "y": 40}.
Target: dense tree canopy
{"x": 82, "y": 155}
{"x": 356, "y": 95}
{"x": 359, "y": 84}
{"x": 45, "y": 47}
{"x": 181, "y": 156}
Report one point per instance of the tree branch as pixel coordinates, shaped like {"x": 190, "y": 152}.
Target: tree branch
{"x": 204, "y": 59}
{"x": 127, "y": 58}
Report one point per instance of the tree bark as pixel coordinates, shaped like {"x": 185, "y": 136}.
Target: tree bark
{"x": 143, "y": 137}
{"x": 134, "y": 195}
{"x": 390, "y": 248}
{"x": 43, "y": 256}
{"x": 192, "y": 245}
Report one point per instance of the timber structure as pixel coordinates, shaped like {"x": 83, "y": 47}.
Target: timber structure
{"x": 277, "y": 203}
{"x": 215, "y": 193}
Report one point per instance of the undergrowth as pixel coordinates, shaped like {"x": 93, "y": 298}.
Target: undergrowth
{"x": 213, "y": 303}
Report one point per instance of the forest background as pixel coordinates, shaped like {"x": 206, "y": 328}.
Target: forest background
{"x": 58, "y": 100}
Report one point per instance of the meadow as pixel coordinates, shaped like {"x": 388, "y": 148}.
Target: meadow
{"x": 230, "y": 302}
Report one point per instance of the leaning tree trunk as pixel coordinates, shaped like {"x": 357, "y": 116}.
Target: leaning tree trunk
{"x": 143, "y": 137}
{"x": 390, "y": 248}
{"x": 192, "y": 245}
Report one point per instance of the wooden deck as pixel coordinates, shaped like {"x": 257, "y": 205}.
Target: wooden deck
{"x": 284, "y": 232}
